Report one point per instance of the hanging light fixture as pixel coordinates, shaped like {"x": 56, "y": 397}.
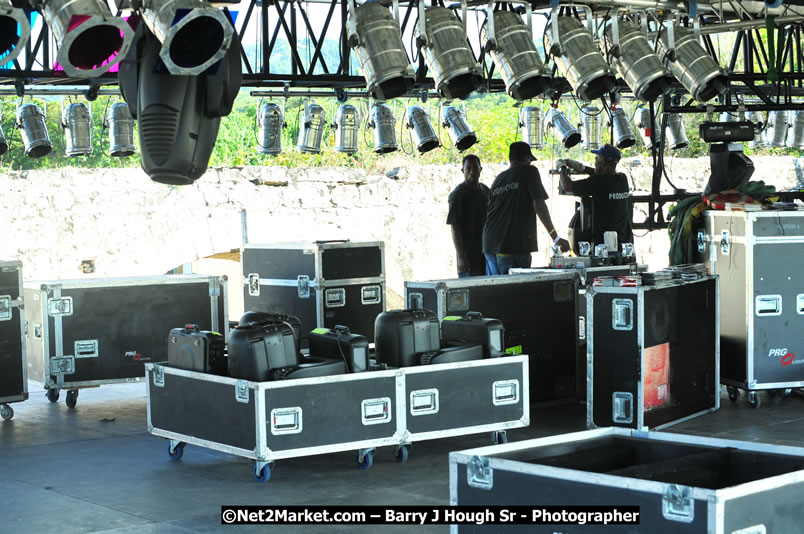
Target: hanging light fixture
{"x": 531, "y": 121}
{"x": 121, "y": 130}
{"x": 563, "y": 128}
{"x": 795, "y": 134}
{"x": 76, "y": 121}
{"x": 311, "y": 128}
{"x": 776, "y": 130}
{"x": 509, "y": 41}
{"x": 580, "y": 60}
{"x": 194, "y": 34}
{"x": 377, "y": 40}
{"x": 446, "y": 52}
{"x": 590, "y": 126}
{"x": 635, "y": 60}
{"x": 676, "y": 135}
{"x": 270, "y": 121}
{"x": 644, "y": 125}
{"x": 424, "y": 135}
{"x": 756, "y": 118}
{"x": 623, "y": 135}
{"x": 691, "y": 65}
{"x": 731, "y": 116}
{"x": 15, "y": 31}
{"x": 90, "y": 39}
{"x": 459, "y": 130}
{"x": 384, "y": 125}
{"x": 345, "y": 126}
{"x": 31, "y": 123}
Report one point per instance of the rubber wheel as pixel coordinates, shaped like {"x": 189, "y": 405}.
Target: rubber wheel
{"x": 733, "y": 392}
{"x": 263, "y": 475}
{"x": 178, "y": 452}
{"x": 6, "y": 412}
{"x": 52, "y": 394}
{"x": 72, "y": 398}
{"x": 787, "y": 392}
{"x": 368, "y": 460}
{"x": 754, "y": 399}
{"x": 499, "y": 437}
{"x": 401, "y": 454}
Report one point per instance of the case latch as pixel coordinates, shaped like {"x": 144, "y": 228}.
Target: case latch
{"x": 5, "y": 307}
{"x": 724, "y": 242}
{"x": 242, "y": 392}
{"x": 159, "y": 376}
{"x": 61, "y": 306}
{"x": 479, "y": 473}
{"x": 622, "y": 407}
{"x": 303, "y": 283}
{"x": 678, "y": 504}
{"x": 254, "y": 284}
{"x": 701, "y": 241}
{"x": 63, "y": 365}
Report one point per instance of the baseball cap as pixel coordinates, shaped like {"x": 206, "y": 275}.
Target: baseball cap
{"x": 520, "y": 150}
{"x": 609, "y": 152}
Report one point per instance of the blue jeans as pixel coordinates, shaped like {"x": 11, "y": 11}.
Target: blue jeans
{"x": 501, "y": 263}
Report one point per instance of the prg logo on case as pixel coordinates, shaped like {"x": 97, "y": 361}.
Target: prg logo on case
{"x": 787, "y": 357}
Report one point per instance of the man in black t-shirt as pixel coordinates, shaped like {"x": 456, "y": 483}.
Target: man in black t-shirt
{"x": 611, "y": 196}
{"x": 467, "y": 214}
{"x": 515, "y": 200}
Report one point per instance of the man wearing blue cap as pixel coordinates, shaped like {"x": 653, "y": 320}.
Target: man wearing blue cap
{"x": 611, "y": 196}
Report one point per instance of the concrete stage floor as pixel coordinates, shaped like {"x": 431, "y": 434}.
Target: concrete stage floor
{"x": 95, "y": 468}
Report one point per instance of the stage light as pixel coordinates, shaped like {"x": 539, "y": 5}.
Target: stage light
{"x": 564, "y": 129}
{"x": 424, "y": 135}
{"x": 33, "y": 129}
{"x": 76, "y": 121}
{"x": 270, "y": 121}
{"x": 636, "y": 61}
{"x": 121, "y": 130}
{"x": 531, "y": 120}
{"x": 90, "y": 40}
{"x": 691, "y": 65}
{"x": 644, "y": 125}
{"x": 458, "y": 128}
{"x": 580, "y": 61}
{"x": 776, "y": 130}
{"x": 676, "y": 134}
{"x": 346, "y": 128}
{"x": 509, "y": 41}
{"x": 3, "y": 140}
{"x": 194, "y": 34}
{"x": 795, "y": 135}
{"x": 446, "y": 52}
{"x": 384, "y": 124}
{"x": 377, "y": 40}
{"x": 311, "y": 128}
{"x": 590, "y": 126}
{"x": 623, "y": 135}
{"x": 758, "y": 120}
{"x": 15, "y": 31}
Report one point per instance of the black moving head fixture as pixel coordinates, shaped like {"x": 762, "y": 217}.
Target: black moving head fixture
{"x": 178, "y": 115}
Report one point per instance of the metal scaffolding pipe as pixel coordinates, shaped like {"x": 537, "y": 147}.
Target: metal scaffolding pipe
{"x": 57, "y": 90}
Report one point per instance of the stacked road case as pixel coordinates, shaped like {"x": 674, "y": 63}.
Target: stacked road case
{"x": 85, "y": 333}
{"x": 13, "y": 366}
{"x": 539, "y": 313}
{"x": 267, "y": 421}
{"x": 681, "y": 484}
{"x": 758, "y": 256}
{"x": 652, "y": 353}
{"x": 323, "y": 283}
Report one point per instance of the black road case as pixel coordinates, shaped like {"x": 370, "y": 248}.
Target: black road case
{"x": 682, "y": 484}
{"x": 324, "y": 283}
{"x": 268, "y": 421}
{"x": 538, "y": 312}
{"x": 13, "y": 366}
{"x": 652, "y": 353}
{"x": 758, "y": 256}
{"x": 85, "y": 333}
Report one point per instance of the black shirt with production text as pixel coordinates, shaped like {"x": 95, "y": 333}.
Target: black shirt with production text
{"x": 467, "y": 209}
{"x": 611, "y": 201}
{"x": 511, "y": 221}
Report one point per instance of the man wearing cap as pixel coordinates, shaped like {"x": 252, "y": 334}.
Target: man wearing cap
{"x": 611, "y": 196}
{"x": 516, "y": 198}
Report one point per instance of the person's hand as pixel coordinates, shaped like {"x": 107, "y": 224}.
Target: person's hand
{"x": 576, "y": 166}
{"x": 563, "y": 245}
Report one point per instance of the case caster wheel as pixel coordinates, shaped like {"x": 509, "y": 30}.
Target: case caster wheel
{"x": 72, "y": 398}
{"x": 176, "y": 451}
{"x": 786, "y": 392}
{"x": 6, "y": 412}
{"x": 499, "y": 437}
{"x": 754, "y": 400}
{"x": 52, "y": 394}
{"x": 365, "y": 458}
{"x": 733, "y": 392}
{"x": 401, "y": 453}
{"x": 262, "y": 472}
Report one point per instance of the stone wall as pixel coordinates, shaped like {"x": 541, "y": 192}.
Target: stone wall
{"x": 128, "y": 225}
